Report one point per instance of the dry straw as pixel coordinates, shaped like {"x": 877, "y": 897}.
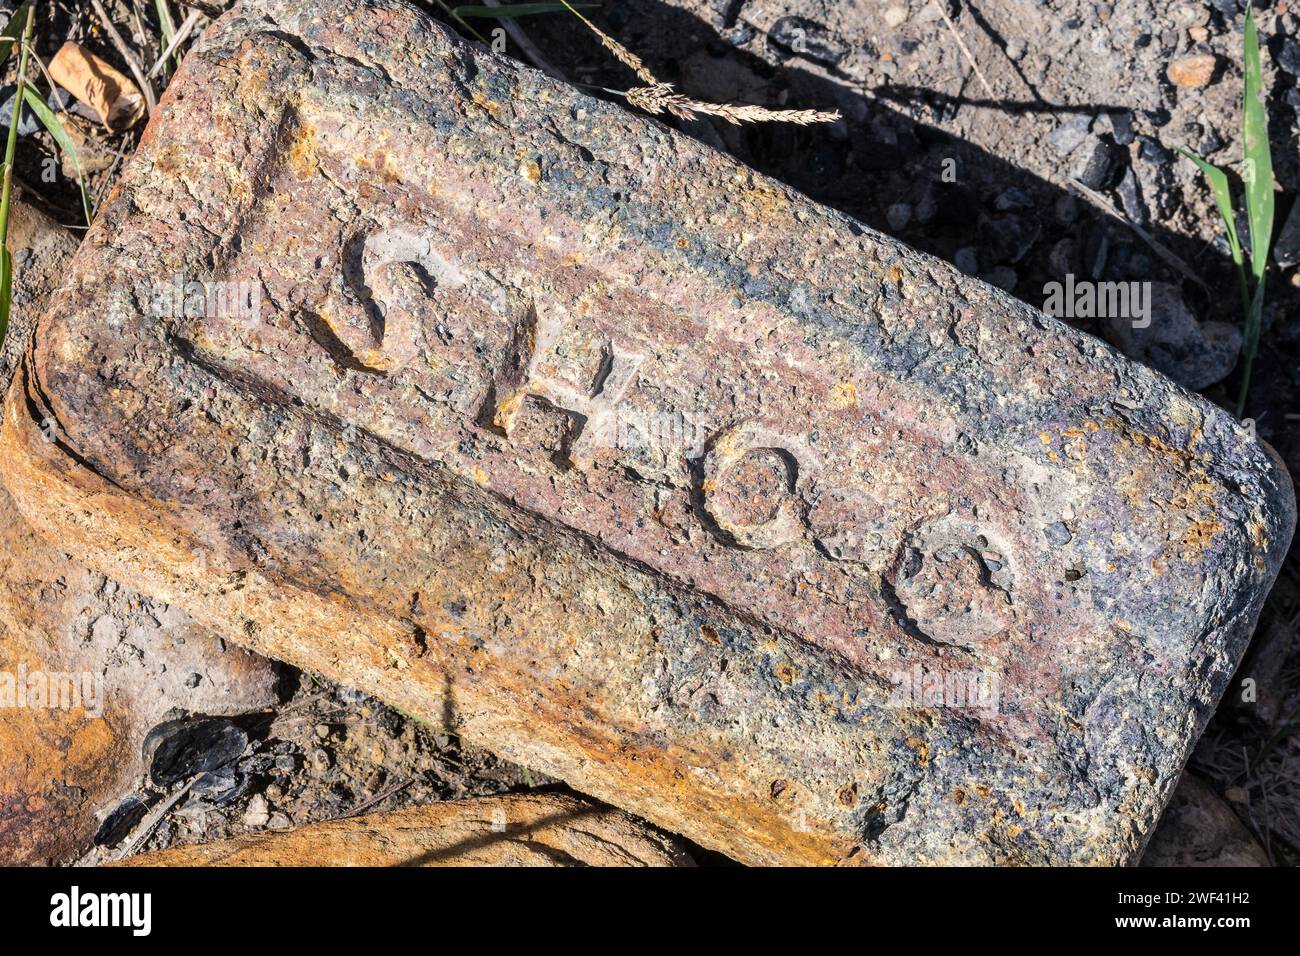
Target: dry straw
{"x": 622, "y": 53}
{"x": 656, "y": 97}
{"x": 662, "y": 98}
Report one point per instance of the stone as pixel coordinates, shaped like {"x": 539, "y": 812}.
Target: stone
{"x": 257, "y": 813}
{"x": 1096, "y": 166}
{"x": 41, "y": 249}
{"x": 1012, "y": 199}
{"x": 1265, "y": 667}
{"x": 1200, "y": 829}
{"x": 1193, "y": 71}
{"x": 63, "y": 768}
{"x": 898, "y": 215}
{"x": 1070, "y": 133}
{"x": 1008, "y": 238}
{"x": 116, "y": 660}
{"x": 121, "y": 821}
{"x": 176, "y": 750}
{"x": 1286, "y": 252}
{"x": 536, "y": 829}
{"x": 966, "y": 260}
{"x": 1288, "y": 59}
{"x": 572, "y": 436}
{"x": 1004, "y": 277}
{"x": 1193, "y": 353}
{"x": 1130, "y": 196}
{"x": 799, "y": 36}
{"x": 27, "y": 121}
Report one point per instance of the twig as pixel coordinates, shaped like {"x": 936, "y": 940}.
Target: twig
{"x": 1164, "y": 253}
{"x": 379, "y": 799}
{"x": 938, "y": 5}
{"x": 178, "y": 37}
{"x": 132, "y": 61}
{"x": 146, "y": 828}
{"x": 517, "y": 34}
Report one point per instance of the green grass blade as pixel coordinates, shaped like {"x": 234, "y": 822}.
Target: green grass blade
{"x": 1258, "y": 172}
{"x": 1222, "y": 192}
{"x": 11, "y": 145}
{"x": 168, "y": 27}
{"x": 6, "y": 290}
{"x": 51, "y": 123}
{"x": 1250, "y": 344}
{"x": 515, "y": 10}
{"x": 1219, "y": 186}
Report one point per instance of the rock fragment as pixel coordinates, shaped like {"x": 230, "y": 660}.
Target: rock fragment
{"x": 1193, "y": 71}
{"x": 1200, "y": 829}
{"x": 1171, "y": 340}
{"x": 533, "y": 417}
{"x": 1286, "y": 252}
{"x": 176, "y": 750}
{"x": 541, "y": 829}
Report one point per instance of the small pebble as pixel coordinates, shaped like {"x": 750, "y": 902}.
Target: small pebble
{"x": 1057, "y": 533}
{"x": 1004, "y": 277}
{"x": 1288, "y": 59}
{"x": 899, "y": 215}
{"x": 1012, "y": 198}
{"x": 1130, "y": 197}
{"x": 1066, "y": 210}
{"x": 967, "y": 260}
{"x": 1070, "y": 133}
{"x": 1097, "y": 166}
{"x": 257, "y": 814}
{"x": 896, "y": 16}
{"x": 27, "y": 121}
{"x": 1121, "y": 127}
{"x": 1193, "y": 71}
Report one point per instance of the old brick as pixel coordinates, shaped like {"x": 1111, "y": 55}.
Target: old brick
{"x": 635, "y": 465}
{"x": 538, "y": 829}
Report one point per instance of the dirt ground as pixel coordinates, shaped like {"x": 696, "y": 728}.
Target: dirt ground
{"x": 967, "y": 127}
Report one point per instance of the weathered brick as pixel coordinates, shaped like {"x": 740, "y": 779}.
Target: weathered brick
{"x": 536, "y": 829}
{"x": 636, "y": 466}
